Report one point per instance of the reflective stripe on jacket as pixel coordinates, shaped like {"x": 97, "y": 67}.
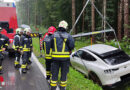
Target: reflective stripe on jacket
{"x": 4, "y": 42}
{"x": 62, "y": 44}
{"x": 47, "y": 47}
{"x": 26, "y": 43}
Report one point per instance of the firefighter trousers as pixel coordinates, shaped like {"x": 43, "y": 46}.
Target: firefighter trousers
{"x": 48, "y": 67}
{"x": 25, "y": 57}
{"x": 56, "y": 65}
{"x": 17, "y": 55}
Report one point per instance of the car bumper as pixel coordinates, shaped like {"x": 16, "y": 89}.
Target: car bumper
{"x": 118, "y": 84}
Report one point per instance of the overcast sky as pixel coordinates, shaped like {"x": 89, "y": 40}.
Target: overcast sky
{"x": 9, "y": 0}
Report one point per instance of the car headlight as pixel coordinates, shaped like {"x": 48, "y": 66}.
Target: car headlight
{"x": 110, "y": 71}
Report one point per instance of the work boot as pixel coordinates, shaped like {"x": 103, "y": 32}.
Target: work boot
{"x": 17, "y": 66}
{"x": 53, "y": 88}
{"x": 24, "y": 70}
{"x": 29, "y": 65}
{"x": 62, "y": 88}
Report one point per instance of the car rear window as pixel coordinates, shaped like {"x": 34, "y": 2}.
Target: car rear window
{"x": 115, "y": 57}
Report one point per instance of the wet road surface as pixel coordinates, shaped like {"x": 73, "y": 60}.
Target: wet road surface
{"x": 12, "y": 79}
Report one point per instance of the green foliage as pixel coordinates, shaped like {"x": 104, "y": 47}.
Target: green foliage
{"x": 82, "y": 42}
{"x": 124, "y": 44}
{"x": 85, "y": 41}
{"x": 83, "y": 83}
{"x": 42, "y": 29}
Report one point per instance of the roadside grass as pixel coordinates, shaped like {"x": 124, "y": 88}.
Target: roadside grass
{"x": 36, "y": 50}
{"x": 76, "y": 80}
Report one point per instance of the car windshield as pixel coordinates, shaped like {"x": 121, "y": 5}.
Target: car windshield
{"x": 115, "y": 57}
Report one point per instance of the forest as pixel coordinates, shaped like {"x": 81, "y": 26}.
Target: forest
{"x": 45, "y": 13}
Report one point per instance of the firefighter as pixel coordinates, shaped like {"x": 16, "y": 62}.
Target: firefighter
{"x": 21, "y": 31}
{"x": 26, "y": 49}
{"x": 48, "y": 50}
{"x": 61, "y": 44}
{"x": 16, "y": 45}
{"x": 4, "y": 42}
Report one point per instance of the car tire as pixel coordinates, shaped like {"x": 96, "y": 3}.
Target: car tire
{"x": 94, "y": 77}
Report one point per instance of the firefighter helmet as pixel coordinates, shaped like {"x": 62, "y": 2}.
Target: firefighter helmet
{"x": 26, "y": 30}
{"x": 18, "y": 30}
{"x": 22, "y": 30}
{"x": 63, "y": 24}
{"x": 51, "y": 30}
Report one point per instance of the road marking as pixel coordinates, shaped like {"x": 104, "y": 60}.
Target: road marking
{"x": 42, "y": 69}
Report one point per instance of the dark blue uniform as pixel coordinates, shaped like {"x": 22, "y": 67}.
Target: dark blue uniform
{"x": 17, "y": 48}
{"x": 48, "y": 50}
{"x": 62, "y": 45}
{"x": 26, "y": 47}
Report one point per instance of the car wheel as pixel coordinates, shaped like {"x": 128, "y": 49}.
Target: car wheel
{"x": 94, "y": 77}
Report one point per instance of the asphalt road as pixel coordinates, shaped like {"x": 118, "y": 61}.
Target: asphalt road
{"x": 14, "y": 80}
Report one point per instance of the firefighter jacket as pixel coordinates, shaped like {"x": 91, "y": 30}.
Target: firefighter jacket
{"x": 47, "y": 46}
{"x": 26, "y": 43}
{"x": 16, "y": 43}
{"x": 62, "y": 45}
{"x": 4, "y": 42}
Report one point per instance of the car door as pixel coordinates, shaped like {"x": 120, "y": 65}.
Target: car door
{"x": 87, "y": 59}
{"x": 77, "y": 61}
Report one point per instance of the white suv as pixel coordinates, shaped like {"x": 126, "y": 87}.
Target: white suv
{"x": 104, "y": 64}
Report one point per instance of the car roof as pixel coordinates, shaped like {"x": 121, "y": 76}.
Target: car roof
{"x": 100, "y": 48}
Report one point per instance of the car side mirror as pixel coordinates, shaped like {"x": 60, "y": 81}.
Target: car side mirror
{"x": 73, "y": 55}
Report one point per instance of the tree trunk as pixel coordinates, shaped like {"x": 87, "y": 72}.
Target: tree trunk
{"x": 104, "y": 13}
{"x": 120, "y": 4}
{"x": 73, "y": 15}
{"x": 28, "y": 14}
{"x": 93, "y": 19}
{"x": 36, "y": 14}
{"x": 83, "y": 21}
{"x": 126, "y": 17}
